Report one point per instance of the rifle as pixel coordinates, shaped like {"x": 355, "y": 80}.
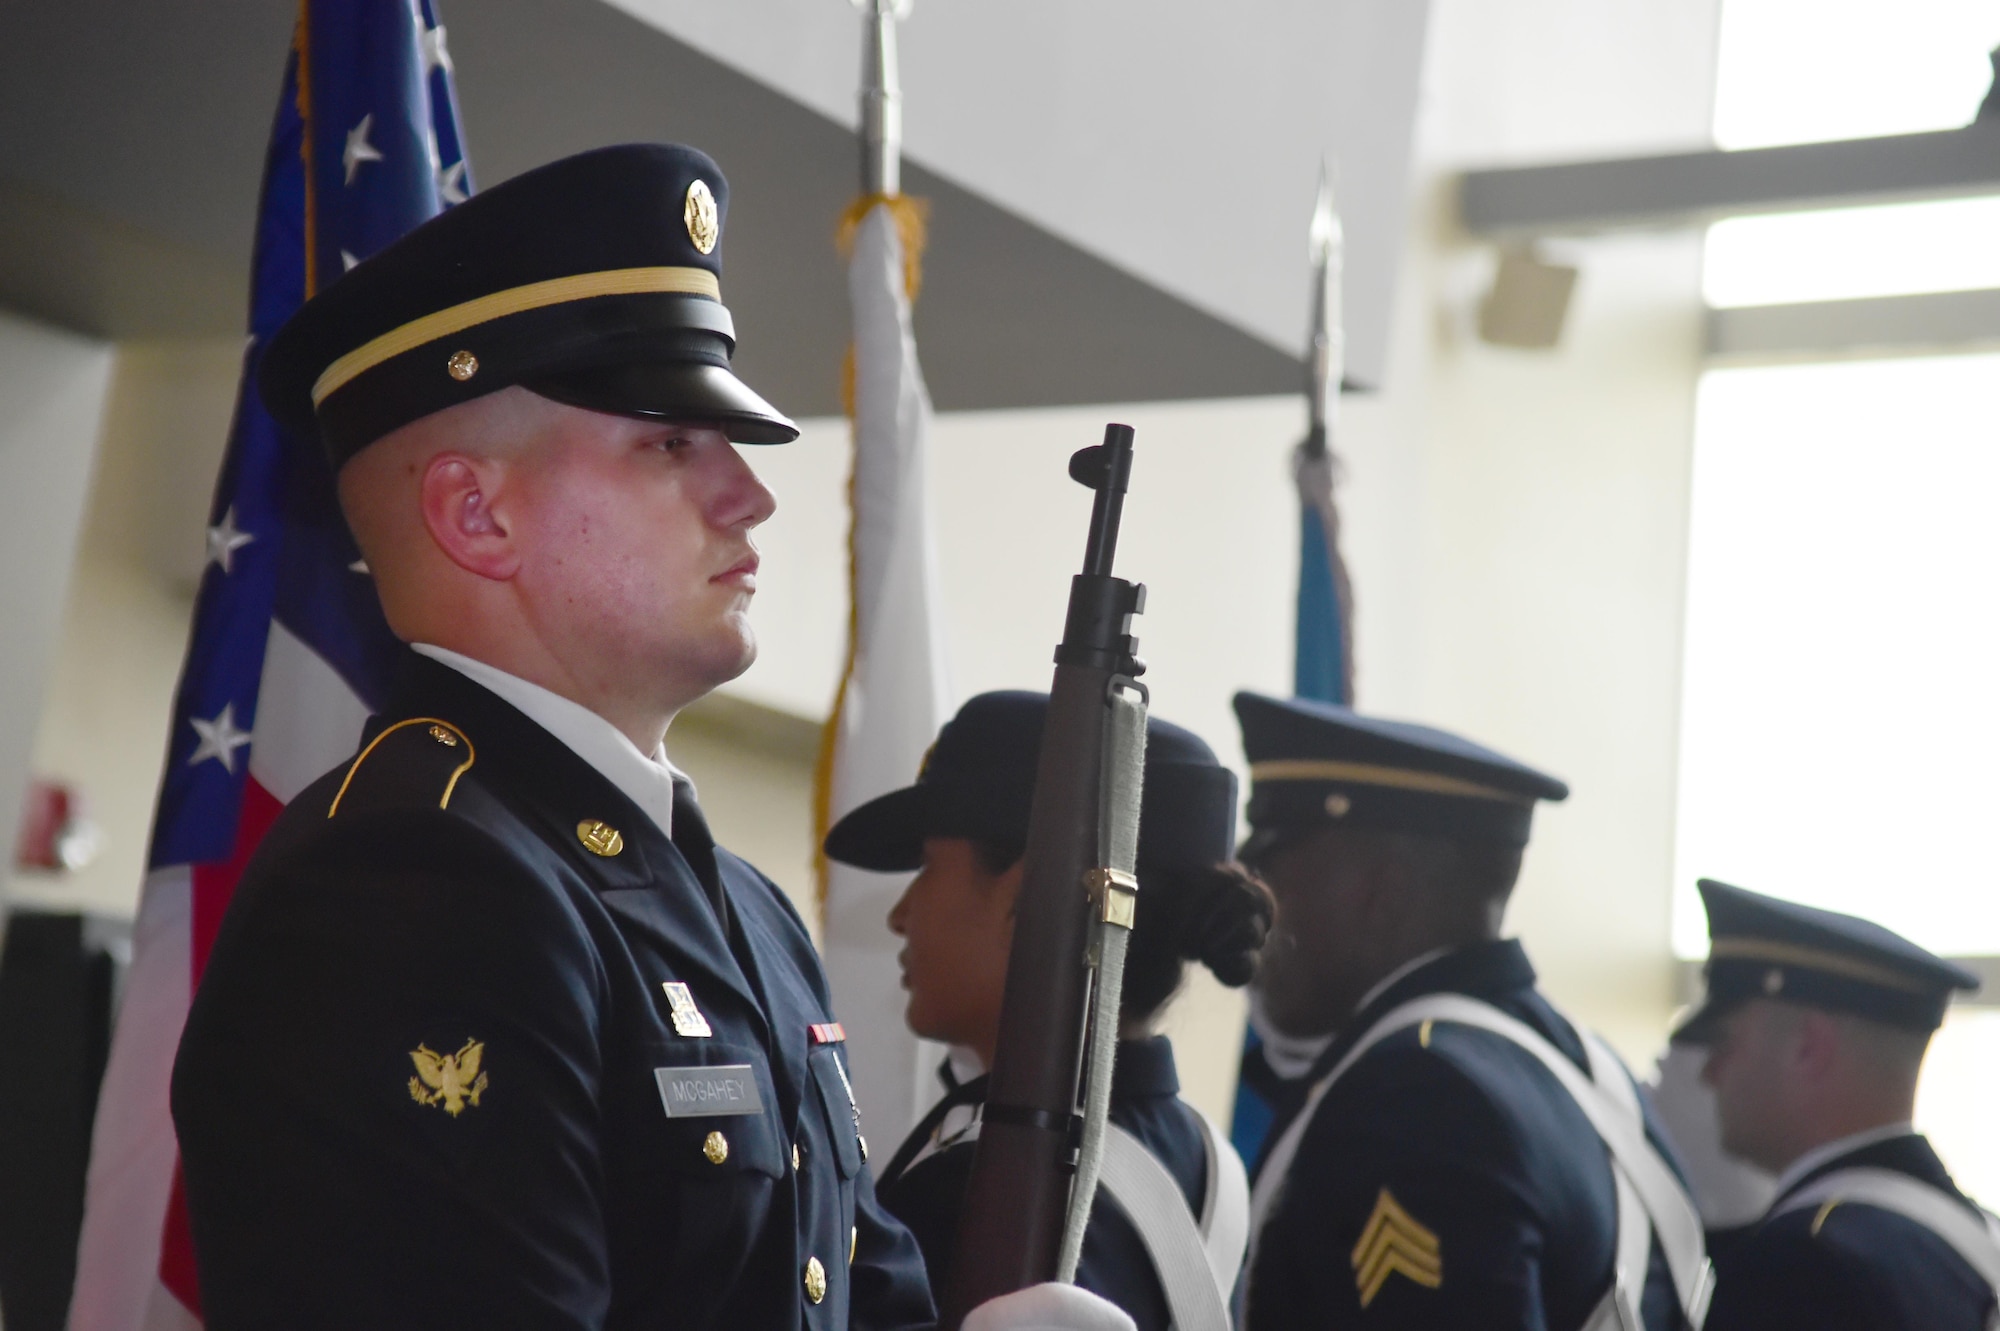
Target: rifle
{"x": 1033, "y": 1172}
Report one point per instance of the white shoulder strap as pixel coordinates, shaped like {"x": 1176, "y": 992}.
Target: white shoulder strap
{"x": 1225, "y": 1207}
{"x": 1976, "y": 1238}
{"x": 1620, "y": 1308}
{"x": 1140, "y": 1185}
{"x": 1656, "y": 1189}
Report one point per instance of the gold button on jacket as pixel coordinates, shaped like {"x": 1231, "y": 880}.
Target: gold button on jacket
{"x": 815, "y": 1280}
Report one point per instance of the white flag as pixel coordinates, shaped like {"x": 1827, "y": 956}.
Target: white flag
{"x": 895, "y": 694}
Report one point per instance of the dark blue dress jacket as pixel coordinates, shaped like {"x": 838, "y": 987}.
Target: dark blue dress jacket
{"x": 417, "y": 1087}
{"x": 1145, "y": 1101}
{"x": 1447, "y": 1180}
{"x": 1855, "y": 1268}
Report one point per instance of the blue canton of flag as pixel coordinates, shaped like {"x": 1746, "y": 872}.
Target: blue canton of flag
{"x": 366, "y": 145}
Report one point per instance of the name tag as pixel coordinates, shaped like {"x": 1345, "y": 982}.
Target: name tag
{"x": 708, "y": 1092}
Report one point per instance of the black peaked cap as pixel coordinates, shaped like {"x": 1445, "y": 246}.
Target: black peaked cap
{"x": 979, "y": 778}
{"x": 1315, "y": 763}
{"x": 594, "y": 280}
{"x": 1761, "y": 947}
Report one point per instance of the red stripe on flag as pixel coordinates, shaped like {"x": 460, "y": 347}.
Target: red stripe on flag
{"x": 177, "y": 1271}
{"x": 215, "y": 884}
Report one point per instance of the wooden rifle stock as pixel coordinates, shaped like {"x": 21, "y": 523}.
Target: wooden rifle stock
{"x": 1011, "y": 1225}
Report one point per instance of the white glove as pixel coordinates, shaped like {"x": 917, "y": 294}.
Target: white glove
{"x": 1050, "y": 1307}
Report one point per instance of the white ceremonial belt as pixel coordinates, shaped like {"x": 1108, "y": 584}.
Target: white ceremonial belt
{"x": 1976, "y": 1238}
{"x": 1651, "y": 1200}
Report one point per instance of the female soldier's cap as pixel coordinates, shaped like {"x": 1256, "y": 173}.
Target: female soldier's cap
{"x": 1761, "y": 947}
{"x": 594, "y": 281}
{"x": 979, "y": 778}
{"x": 1314, "y": 764}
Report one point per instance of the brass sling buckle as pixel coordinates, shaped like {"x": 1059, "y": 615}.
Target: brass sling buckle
{"x": 1114, "y": 894}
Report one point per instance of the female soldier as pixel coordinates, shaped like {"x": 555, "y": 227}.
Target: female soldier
{"x": 964, "y": 826}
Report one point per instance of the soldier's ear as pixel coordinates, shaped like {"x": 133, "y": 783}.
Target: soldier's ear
{"x": 456, "y": 498}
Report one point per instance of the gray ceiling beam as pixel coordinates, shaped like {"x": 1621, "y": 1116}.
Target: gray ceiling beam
{"x": 1689, "y": 189}
{"x": 1828, "y": 329}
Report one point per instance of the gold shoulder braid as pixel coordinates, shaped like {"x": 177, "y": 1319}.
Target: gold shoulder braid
{"x": 414, "y": 762}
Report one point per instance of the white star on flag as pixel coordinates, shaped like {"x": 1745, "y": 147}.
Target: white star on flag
{"x": 451, "y": 183}
{"x": 225, "y": 540}
{"x": 358, "y": 148}
{"x": 435, "y": 56}
{"x": 347, "y": 261}
{"x": 220, "y": 739}
{"x": 360, "y": 566}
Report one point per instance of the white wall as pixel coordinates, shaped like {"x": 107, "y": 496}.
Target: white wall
{"x": 103, "y": 725}
{"x": 1555, "y": 485}
{"x": 51, "y": 395}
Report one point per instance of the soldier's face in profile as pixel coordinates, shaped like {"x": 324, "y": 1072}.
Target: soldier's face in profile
{"x": 636, "y": 559}
{"x": 1752, "y": 1066}
{"x": 1315, "y": 965}
{"x": 957, "y": 922}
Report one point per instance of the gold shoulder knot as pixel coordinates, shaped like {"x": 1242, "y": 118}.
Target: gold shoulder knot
{"x": 414, "y": 762}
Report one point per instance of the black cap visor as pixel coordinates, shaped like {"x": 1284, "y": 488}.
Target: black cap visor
{"x": 674, "y": 391}
{"x": 886, "y": 834}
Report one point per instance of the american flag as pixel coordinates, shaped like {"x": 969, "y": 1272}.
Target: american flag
{"x": 289, "y": 651}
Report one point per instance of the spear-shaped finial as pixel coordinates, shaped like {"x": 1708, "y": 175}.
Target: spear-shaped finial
{"x": 881, "y": 98}
{"x": 1325, "y": 354}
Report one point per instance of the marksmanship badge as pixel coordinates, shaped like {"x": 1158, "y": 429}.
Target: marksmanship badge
{"x": 450, "y": 1080}
{"x": 701, "y": 223}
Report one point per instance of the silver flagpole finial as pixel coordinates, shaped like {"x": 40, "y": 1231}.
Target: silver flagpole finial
{"x": 881, "y": 98}
{"x": 1325, "y": 354}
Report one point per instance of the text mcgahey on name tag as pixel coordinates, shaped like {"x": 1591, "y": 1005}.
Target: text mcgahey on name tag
{"x": 704, "y": 1092}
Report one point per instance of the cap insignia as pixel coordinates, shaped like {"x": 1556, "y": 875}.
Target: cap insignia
{"x": 599, "y": 837}
{"x": 700, "y": 217}
{"x": 462, "y": 365}
{"x": 1338, "y": 805}
{"x": 1774, "y": 981}
{"x": 450, "y": 1081}
{"x": 443, "y": 736}
{"x": 1394, "y": 1243}
{"x": 686, "y": 1017}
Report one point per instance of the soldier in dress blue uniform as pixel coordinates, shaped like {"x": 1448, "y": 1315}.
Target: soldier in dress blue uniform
{"x": 1816, "y": 1026}
{"x": 963, "y": 826}
{"x": 1427, "y": 1173}
{"x": 494, "y": 1034}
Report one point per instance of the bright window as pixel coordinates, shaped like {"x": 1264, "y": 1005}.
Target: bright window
{"x": 1841, "y": 696}
{"x": 1801, "y": 71}
{"x": 1840, "y": 714}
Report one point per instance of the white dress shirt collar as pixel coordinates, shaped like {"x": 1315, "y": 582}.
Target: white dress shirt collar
{"x": 647, "y": 782}
{"x": 1796, "y": 1172}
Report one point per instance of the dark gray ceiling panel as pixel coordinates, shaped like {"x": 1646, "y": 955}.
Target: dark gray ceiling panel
{"x": 132, "y": 137}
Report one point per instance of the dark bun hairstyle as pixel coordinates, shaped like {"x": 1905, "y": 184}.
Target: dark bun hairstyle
{"x": 1218, "y": 916}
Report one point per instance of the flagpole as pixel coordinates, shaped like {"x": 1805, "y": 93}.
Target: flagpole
{"x": 881, "y": 100}
{"x": 1326, "y": 359}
